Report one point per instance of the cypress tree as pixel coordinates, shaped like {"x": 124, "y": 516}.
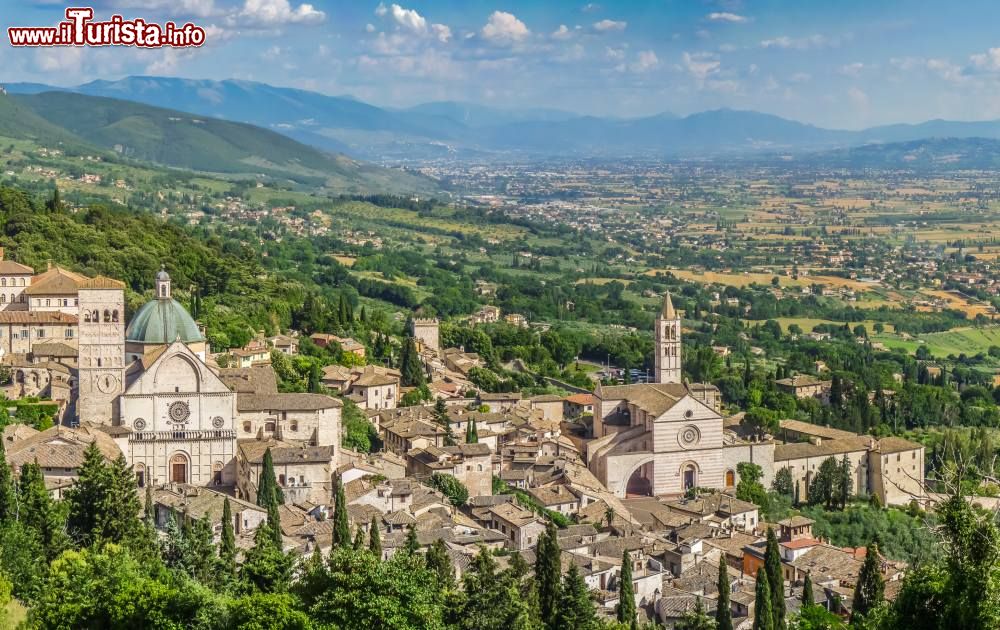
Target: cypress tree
{"x": 227, "y": 541}
{"x": 268, "y": 490}
{"x": 807, "y": 592}
{"x": 341, "y": 528}
{"x": 172, "y": 547}
{"x": 199, "y": 551}
{"x": 374, "y": 539}
{"x": 39, "y": 512}
{"x": 411, "y": 370}
{"x": 576, "y": 609}
{"x": 274, "y": 525}
{"x": 547, "y": 572}
{"x": 776, "y": 580}
{"x": 148, "y": 509}
{"x": 870, "y": 589}
{"x": 762, "y": 616}
{"x": 117, "y": 520}
{"x": 411, "y": 545}
{"x": 439, "y": 563}
{"x": 359, "y": 539}
{"x": 471, "y": 433}
{"x": 88, "y": 497}
{"x": 8, "y": 494}
{"x": 626, "y": 594}
{"x": 723, "y": 612}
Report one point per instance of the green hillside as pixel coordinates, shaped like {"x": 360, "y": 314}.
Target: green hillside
{"x": 20, "y": 122}
{"x": 198, "y": 143}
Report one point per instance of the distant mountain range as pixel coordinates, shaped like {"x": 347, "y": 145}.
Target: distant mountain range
{"x": 177, "y": 139}
{"x": 345, "y": 124}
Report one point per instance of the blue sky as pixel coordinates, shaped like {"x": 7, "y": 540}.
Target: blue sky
{"x": 847, "y": 64}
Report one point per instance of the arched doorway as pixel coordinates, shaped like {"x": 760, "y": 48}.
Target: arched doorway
{"x": 689, "y": 476}
{"x": 178, "y": 468}
{"x": 140, "y": 475}
{"x": 640, "y": 482}
{"x": 730, "y": 478}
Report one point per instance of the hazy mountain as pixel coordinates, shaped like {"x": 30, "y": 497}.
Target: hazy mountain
{"x": 345, "y": 124}
{"x": 927, "y": 154}
{"x": 182, "y": 140}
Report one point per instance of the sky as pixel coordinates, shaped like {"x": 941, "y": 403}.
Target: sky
{"x": 842, "y": 64}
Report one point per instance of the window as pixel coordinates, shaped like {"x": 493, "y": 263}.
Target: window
{"x": 3, "y": 282}
{"x": 3, "y": 298}
{"x": 40, "y": 333}
{"x": 69, "y": 333}
{"x": 269, "y": 427}
{"x": 114, "y": 315}
{"x": 48, "y": 302}
{"x": 24, "y": 334}
{"x": 294, "y": 425}
{"x": 246, "y": 426}
{"x": 21, "y": 300}
{"x": 281, "y": 480}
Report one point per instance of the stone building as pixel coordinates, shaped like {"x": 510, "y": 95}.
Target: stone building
{"x": 425, "y": 331}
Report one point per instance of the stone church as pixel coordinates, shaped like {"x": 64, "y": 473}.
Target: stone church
{"x": 148, "y": 385}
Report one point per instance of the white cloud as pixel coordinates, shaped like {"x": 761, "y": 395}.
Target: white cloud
{"x": 504, "y": 28}
{"x": 591, "y": 7}
{"x": 727, "y": 48}
{"x": 852, "y": 69}
{"x": 800, "y": 77}
{"x": 700, "y": 65}
{"x": 645, "y": 61}
{"x": 277, "y": 12}
{"x": 610, "y": 26}
{"x": 946, "y": 70}
{"x": 990, "y": 60}
{"x": 408, "y": 20}
{"x": 614, "y": 54}
{"x": 858, "y": 97}
{"x": 58, "y": 58}
{"x": 563, "y": 32}
{"x": 724, "y": 16}
{"x": 801, "y": 43}
{"x": 369, "y": 28}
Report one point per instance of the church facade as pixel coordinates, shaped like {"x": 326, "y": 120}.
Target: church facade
{"x": 149, "y": 386}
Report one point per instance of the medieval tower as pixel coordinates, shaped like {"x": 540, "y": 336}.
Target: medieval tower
{"x": 668, "y": 344}
{"x": 102, "y": 349}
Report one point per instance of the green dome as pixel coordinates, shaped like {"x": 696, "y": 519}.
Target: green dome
{"x": 162, "y": 321}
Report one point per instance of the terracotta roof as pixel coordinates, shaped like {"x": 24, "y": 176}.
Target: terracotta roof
{"x": 252, "y": 380}
{"x": 37, "y": 317}
{"x": 808, "y": 428}
{"x": 60, "y": 447}
{"x": 53, "y": 349}
{"x": 581, "y": 399}
{"x": 371, "y": 379}
{"x": 56, "y": 281}
{"x": 284, "y": 452}
{"x": 785, "y": 452}
{"x": 668, "y": 311}
{"x": 101, "y": 282}
{"x": 653, "y": 398}
{"x": 285, "y": 402}
{"x": 10, "y": 268}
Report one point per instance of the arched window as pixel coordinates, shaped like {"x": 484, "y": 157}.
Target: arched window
{"x": 22, "y": 299}
{"x": 3, "y": 282}
{"x": 114, "y": 315}
{"x": 3, "y": 298}
{"x": 140, "y": 475}
{"x": 96, "y": 317}
{"x": 269, "y": 427}
{"x": 730, "y": 479}
{"x": 86, "y": 317}
{"x": 107, "y": 315}
{"x": 217, "y": 473}
{"x": 20, "y": 282}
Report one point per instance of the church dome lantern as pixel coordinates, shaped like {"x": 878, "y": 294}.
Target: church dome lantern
{"x": 162, "y": 321}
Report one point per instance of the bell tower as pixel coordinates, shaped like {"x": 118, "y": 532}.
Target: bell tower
{"x": 101, "y": 349}
{"x": 668, "y": 347}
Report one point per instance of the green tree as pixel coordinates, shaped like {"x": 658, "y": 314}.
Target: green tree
{"x": 8, "y": 492}
{"x": 576, "y": 608}
{"x": 783, "y": 483}
{"x": 455, "y": 490}
{"x": 87, "y": 498}
{"x": 374, "y": 539}
{"x": 548, "y": 569}
{"x": 361, "y": 591}
{"x": 696, "y": 619}
{"x": 749, "y": 487}
{"x": 410, "y": 367}
{"x": 763, "y": 618}
{"x": 268, "y": 491}
{"x": 493, "y": 599}
{"x": 439, "y": 563}
{"x": 723, "y": 609}
{"x": 341, "y": 527}
{"x": 845, "y": 481}
{"x": 266, "y": 568}
{"x": 39, "y": 512}
{"x": 410, "y": 544}
{"x": 776, "y": 579}
{"x": 227, "y": 542}
{"x": 807, "y": 591}
{"x": 869, "y": 593}
{"x": 626, "y": 611}
{"x": 471, "y": 433}
{"x": 266, "y": 611}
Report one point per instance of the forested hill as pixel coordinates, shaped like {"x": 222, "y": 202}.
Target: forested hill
{"x": 235, "y": 291}
{"x": 181, "y": 140}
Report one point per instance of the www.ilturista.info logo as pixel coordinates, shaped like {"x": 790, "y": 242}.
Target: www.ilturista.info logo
{"x": 80, "y": 29}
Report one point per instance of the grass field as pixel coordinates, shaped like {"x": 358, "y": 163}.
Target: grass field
{"x": 808, "y": 323}
{"x": 12, "y": 616}
{"x": 970, "y": 341}
{"x": 747, "y": 278}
